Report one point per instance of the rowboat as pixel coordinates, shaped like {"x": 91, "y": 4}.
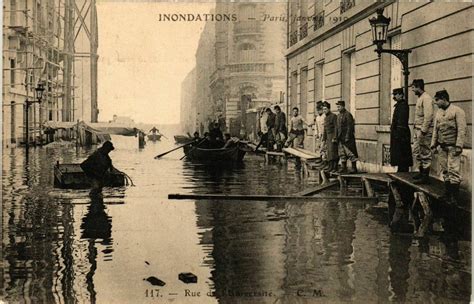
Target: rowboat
{"x": 181, "y": 139}
{"x": 154, "y": 137}
{"x": 234, "y": 154}
{"x": 71, "y": 176}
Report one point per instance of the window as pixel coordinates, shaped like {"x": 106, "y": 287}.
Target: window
{"x": 247, "y": 53}
{"x": 304, "y": 92}
{"x": 349, "y": 80}
{"x": 346, "y": 5}
{"x": 396, "y": 78}
{"x": 318, "y": 82}
{"x": 12, "y": 73}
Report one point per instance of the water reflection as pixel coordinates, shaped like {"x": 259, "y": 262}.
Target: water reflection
{"x": 65, "y": 246}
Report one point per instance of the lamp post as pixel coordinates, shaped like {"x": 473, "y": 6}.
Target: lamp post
{"x": 379, "y": 26}
{"x": 39, "y": 96}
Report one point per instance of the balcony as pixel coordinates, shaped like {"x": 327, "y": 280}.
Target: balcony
{"x": 247, "y": 27}
{"x": 250, "y": 68}
{"x": 303, "y": 31}
{"x": 293, "y": 38}
{"x": 346, "y": 5}
{"x": 318, "y": 20}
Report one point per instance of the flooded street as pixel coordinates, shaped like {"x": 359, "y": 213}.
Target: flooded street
{"x": 64, "y": 246}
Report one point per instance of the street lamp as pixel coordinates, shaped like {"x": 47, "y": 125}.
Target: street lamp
{"x": 379, "y": 26}
{"x": 39, "y": 96}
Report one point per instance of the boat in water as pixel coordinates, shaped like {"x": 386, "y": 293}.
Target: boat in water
{"x": 71, "y": 176}
{"x": 232, "y": 154}
{"x": 154, "y": 137}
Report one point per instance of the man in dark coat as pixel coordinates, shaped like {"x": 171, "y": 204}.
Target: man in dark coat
{"x": 98, "y": 165}
{"x": 346, "y": 138}
{"x": 280, "y": 128}
{"x": 400, "y": 146}
{"x": 216, "y": 136}
{"x": 330, "y": 137}
{"x": 270, "y": 126}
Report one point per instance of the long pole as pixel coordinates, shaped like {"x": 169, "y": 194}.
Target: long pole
{"x": 27, "y": 123}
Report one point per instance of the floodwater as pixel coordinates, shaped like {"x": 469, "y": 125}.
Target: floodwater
{"x": 64, "y": 246}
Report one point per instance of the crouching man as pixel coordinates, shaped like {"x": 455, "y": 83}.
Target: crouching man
{"x": 98, "y": 165}
{"x": 448, "y": 138}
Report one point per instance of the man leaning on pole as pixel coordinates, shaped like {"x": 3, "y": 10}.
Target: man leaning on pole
{"x": 448, "y": 139}
{"x": 423, "y": 131}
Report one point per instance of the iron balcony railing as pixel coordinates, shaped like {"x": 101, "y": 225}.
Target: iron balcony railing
{"x": 303, "y": 31}
{"x": 318, "y": 20}
{"x": 346, "y": 5}
{"x": 293, "y": 37}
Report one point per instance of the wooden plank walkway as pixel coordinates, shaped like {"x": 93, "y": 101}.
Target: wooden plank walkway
{"x": 267, "y": 197}
{"x": 315, "y": 190}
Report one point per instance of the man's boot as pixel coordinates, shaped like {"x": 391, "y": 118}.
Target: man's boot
{"x": 447, "y": 192}
{"x": 333, "y": 166}
{"x": 419, "y": 175}
{"x": 354, "y": 167}
{"x": 343, "y": 168}
{"x": 454, "y": 194}
{"x": 425, "y": 178}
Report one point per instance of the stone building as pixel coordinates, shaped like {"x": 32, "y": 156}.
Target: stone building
{"x": 205, "y": 64}
{"x": 188, "y": 110}
{"x": 39, "y": 47}
{"x": 250, "y": 65}
{"x": 331, "y": 57}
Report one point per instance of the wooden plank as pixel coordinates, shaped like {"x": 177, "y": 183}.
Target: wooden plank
{"x": 380, "y": 177}
{"x": 312, "y": 191}
{"x": 368, "y": 188}
{"x": 267, "y": 197}
{"x": 428, "y": 215}
{"x": 303, "y": 154}
{"x": 275, "y": 153}
{"x": 434, "y": 189}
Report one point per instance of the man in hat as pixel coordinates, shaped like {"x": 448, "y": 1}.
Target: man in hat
{"x": 297, "y": 127}
{"x": 448, "y": 137}
{"x": 98, "y": 165}
{"x": 424, "y": 110}
{"x": 319, "y": 126}
{"x": 329, "y": 137}
{"x": 400, "y": 146}
{"x": 346, "y": 138}
{"x": 271, "y": 129}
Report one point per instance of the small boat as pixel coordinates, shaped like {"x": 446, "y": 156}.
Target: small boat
{"x": 154, "y": 137}
{"x": 234, "y": 154}
{"x": 71, "y": 176}
{"x": 182, "y": 139}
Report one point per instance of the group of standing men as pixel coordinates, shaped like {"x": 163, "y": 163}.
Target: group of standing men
{"x": 440, "y": 132}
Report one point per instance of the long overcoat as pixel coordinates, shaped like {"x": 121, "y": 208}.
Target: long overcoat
{"x": 346, "y": 131}
{"x": 330, "y": 133}
{"x": 400, "y": 146}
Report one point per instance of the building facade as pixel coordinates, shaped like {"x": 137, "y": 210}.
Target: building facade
{"x": 39, "y": 47}
{"x": 188, "y": 110}
{"x": 250, "y": 64}
{"x": 331, "y": 57}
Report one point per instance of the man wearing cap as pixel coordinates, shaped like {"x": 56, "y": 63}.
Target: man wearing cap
{"x": 448, "y": 138}
{"x": 319, "y": 125}
{"x": 97, "y": 165}
{"x": 346, "y": 138}
{"x": 329, "y": 138}
{"x": 424, "y": 110}
{"x": 400, "y": 146}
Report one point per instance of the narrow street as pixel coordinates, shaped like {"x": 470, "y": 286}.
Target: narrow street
{"x": 64, "y": 246}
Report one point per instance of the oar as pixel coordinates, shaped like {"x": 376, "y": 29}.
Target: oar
{"x": 163, "y": 154}
{"x": 163, "y": 135}
{"x": 193, "y": 148}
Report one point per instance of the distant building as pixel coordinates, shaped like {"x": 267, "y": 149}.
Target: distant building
{"x": 331, "y": 57}
{"x": 189, "y": 112}
{"x": 123, "y": 120}
{"x": 250, "y": 64}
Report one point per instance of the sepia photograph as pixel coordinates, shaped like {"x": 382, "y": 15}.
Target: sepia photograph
{"x": 236, "y": 151}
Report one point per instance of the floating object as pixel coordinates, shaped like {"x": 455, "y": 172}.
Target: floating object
{"x": 235, "y": 154}
{"x": 187, "y": 277}
{"x": 154, "y": 137}
{"x": 71, "y": 176}
{"x": 155, "y": 281}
